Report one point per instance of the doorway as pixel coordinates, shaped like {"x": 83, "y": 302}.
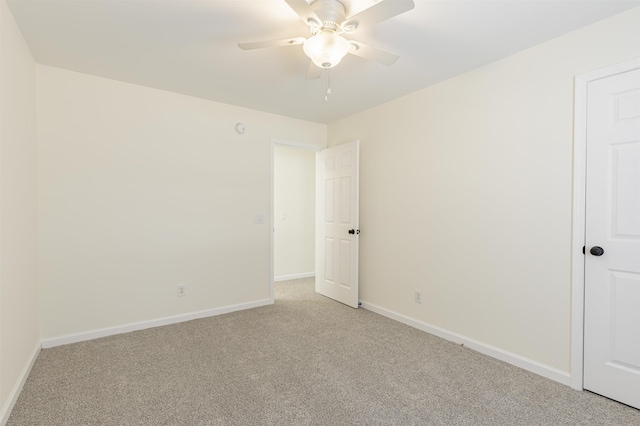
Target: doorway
{"x": 293, "y": 185}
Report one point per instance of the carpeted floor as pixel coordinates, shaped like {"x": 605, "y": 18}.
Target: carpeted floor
{"x": 306, "y": 360}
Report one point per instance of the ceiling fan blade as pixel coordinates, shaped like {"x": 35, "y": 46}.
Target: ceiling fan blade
{"x": 302, "y": 8}
{"x": 314, "y": 72}
{"x": 372, "y": 53}
{"x": 271, "y": 43}
{"x": 379, "y": 12}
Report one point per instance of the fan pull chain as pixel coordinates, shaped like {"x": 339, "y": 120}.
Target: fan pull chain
{"x": 326, "y": 96}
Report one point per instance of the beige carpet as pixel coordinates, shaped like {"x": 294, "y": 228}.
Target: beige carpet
{"x": 304, "y": 361}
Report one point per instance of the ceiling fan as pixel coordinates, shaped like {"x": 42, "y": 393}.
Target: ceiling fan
{"x": 328, "y": 21}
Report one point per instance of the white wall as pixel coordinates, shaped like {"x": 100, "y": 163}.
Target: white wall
{"x": 19, "y": 326}
{"x": 294, "y": 195}
{"x": 141, "y": 190}
{"x": 466, "y": 195}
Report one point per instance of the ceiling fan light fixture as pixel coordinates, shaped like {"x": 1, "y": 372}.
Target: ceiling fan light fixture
{"x": 326, "y": 49}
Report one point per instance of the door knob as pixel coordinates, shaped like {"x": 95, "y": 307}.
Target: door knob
{"x": 596, "y": 251}
{"x": 352, "y": 231}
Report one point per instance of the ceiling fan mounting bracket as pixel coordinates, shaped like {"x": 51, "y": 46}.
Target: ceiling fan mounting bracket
{"x": 350, "y": 26}
{"x": 313, "y": 24}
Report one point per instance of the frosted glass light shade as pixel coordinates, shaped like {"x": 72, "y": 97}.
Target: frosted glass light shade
{"x": 326, "y": 50}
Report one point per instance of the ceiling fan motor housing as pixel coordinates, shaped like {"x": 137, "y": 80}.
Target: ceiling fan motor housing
{"x": 331, "y": 12}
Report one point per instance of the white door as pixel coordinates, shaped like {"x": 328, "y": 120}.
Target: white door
{"x": 612, "y": 262}
{"x": 337, "y": 223}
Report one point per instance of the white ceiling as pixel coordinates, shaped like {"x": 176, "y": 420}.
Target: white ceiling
{"x": 190, "y": 46}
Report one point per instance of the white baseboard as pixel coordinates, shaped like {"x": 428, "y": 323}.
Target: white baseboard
{"x": 110, "y": 331}
{"x": 15, "y": 392}
{"x": 511, "y": 358}
{"x": 294, "y": 276}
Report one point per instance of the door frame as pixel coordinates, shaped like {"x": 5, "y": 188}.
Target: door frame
{"x": 273, "y": 143}
{"x": 579, "y": 212}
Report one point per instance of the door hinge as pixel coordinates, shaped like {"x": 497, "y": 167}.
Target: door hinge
{"x": 583, "y": 249}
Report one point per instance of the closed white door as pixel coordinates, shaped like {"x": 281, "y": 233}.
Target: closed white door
{"x": 612, "y": 262}
{"x": 337, "y": 229}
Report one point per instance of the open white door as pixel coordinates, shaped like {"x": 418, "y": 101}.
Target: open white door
{"x": 337, "y": 223}
{"x": 612, "y": 262}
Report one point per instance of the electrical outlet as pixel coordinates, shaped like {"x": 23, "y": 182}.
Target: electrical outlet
{"x": 182, "y": 290}
{"x": 259, "y": 219}
{"x": 417, "y": 296}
